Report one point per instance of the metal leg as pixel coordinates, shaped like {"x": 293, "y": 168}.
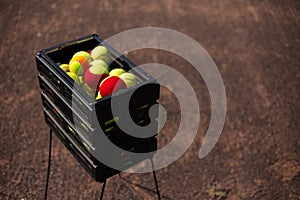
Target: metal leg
{"x": 103, "y": 187}
{"x": 155, "y": 180}
{"x": 49, "y": 164}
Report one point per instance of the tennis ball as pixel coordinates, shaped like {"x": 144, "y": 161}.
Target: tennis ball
{"x": 82, "y": 60}
{"x": 129, "y": 79}
{"x": 64, "y": 67}
{"x": 80, "y": 80}
{"x": 99, "y": 63}
{"x": 101, "y": 53}
{"x": 94, "y": 75}
{"x": 72, "y": 75}
{"x": 76, "y": 68}
{"x": 110, "y": 85}
{"x": 75, "y": 77}
{"x": 116, "y": 72}
{"x": 98, "y": 96}
{"x": 89, "y": 90}
{"x": 84, "y": 54}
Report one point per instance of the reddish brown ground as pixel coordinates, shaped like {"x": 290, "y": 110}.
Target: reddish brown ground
{"x": 256, "y": 45}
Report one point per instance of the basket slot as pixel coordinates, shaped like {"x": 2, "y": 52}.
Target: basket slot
{"x": 65, "y": 122}
{"x": 61, "y": 102}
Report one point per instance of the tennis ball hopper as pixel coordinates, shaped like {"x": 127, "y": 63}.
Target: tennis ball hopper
{"x": 80, "y": 121}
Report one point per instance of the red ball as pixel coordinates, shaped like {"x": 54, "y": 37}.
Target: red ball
{"x": 93, "y": 80}
{"x": 111, "y": 85}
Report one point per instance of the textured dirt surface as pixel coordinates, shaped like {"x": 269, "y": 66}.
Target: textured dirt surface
{"x": 256, "y": 46}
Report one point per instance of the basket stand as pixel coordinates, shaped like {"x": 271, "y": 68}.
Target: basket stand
{"x": 104, "y": 183}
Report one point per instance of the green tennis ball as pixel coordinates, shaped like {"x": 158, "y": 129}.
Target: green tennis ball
{"x": 72, "y": 75}
{"x": 94, "y": 75}
{"x": 64, "y": 67}
{"x": 76, "y": 68}
{"x": 98, "y": 63}
{"x": 101, "y": 53}
{"x": 129, "y": 79}
{"x": 98, "y": 70}
{"x": 84, "y": 54}
{"x": 116, "y": 72}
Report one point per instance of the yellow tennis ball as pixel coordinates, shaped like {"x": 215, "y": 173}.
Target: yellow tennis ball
{"x": 101, "y": 53}
{"x": 129, "y": 79}
{"x": 80, "y": 80}
{"x": 72, "y": 75}
{"x": 76, "y": 68}
{"x": 116, "y": 72}
{"x": 98, "y": 96}
{"x": 64, "y": 67}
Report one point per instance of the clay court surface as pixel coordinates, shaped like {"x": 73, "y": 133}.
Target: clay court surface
{"x": 256, "y": 46}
